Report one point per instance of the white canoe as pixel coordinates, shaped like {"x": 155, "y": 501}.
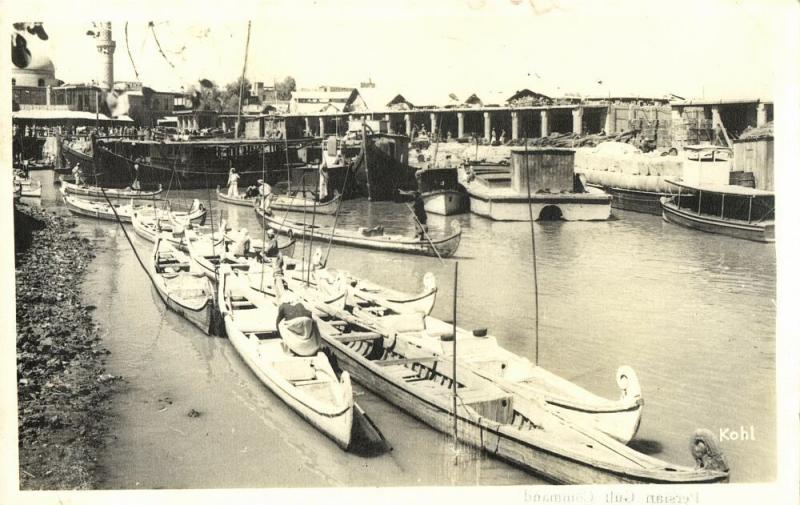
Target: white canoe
{"x": 187, "y": 293}
{"x": 515, "y": 374}
{"x": 308, "y": 385}
{"x": 98, "y": 192}
{"x": 102, "y": 210}
{"x": 504, "y": 425}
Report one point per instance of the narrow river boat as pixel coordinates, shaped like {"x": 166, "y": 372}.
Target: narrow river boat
{"x": 445, "y": 246}
{"x": 504, "y": 425}
{"x": 307, "y": 384}
{"x": 187, "y": 293}
{"x": 97, "y": 191}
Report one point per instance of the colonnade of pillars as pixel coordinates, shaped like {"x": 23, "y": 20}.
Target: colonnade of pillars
{"x": 522, "y": 122}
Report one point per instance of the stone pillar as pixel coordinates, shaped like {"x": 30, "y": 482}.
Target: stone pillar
{"x": 611, "y": 119}
{"x": 388, "y": 120}
{"x": 715, "y": 117}
{"x": 308, "y": 126}
{"x": 545, "y": 126}
{"x": 761, "y": 114}
{"x": 487, "y": 126}
{"x": 460, "y": 116}
{"x": 577, "y": 121}
{"x": 514, "y": 125}
{"x": 321, "y": 126}
{"x": 433, "y": 124}
{"x": 407, "y": 117}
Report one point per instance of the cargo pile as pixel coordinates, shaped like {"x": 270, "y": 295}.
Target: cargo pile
{"x": 63, "y": 390}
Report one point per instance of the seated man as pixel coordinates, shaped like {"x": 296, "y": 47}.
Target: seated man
{"x": 294, "y": 322}
{"x": 271, "y": 249}
{"x": 241, "y": 245}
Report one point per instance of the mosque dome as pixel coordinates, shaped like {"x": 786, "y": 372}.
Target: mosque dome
{"x": 39, "y": 72}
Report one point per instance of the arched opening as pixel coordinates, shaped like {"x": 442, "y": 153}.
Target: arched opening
{"x": 41, "y": 83}
{"x": 13, "y": 81}
{"x": 550, "y": 213}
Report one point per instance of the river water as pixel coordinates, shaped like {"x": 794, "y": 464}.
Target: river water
{"x": 692, "y": 313}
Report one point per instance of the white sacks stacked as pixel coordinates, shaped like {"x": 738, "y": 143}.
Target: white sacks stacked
{"x": 620, "y": 165}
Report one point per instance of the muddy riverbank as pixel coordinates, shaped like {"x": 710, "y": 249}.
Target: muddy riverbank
{"x": 63, "y": 390}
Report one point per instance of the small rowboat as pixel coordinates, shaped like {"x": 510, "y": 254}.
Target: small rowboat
{"x": 102, "y": 210}
{"x": 151, "y": 229}
{"x": 307, "y": 205}
{"x": 235, "y": 200}
{"x": 307, "y": 384}
{"x": 481, "y": 353}
{"x": 515, "y": 374}
{"x": 189, "y": 294}
{"x": 364, "y": 291}
{"x": 504, "y": 425}
{"x": 445, "y": 246}
{"x": 97, "y": 191}
{"x": 285, "y": 203}
{"x": 208, "y": 258}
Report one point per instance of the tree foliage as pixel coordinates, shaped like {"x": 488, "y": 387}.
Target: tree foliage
{"x": 209, "y": 96}
{"x": 285, "y": 87}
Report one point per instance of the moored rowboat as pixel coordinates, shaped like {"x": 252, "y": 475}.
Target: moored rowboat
{"x": 102, "y": 210}
{"x": 187, "y": 293}
{"x": 445, "y": 246}
{"x": 151, "y": 229}
{"x": 507, "y": 426}
{"x": 97, "y": 191}
{"x": 307, "y": 384}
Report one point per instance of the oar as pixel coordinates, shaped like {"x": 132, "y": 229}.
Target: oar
{"x": 421, "y": 227}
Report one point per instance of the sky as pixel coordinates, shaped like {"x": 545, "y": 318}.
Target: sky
{"x": 701, "y": 49}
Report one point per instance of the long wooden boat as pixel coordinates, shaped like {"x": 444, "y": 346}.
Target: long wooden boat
{"x": 101, "y": 210}
{"x": 286, "y": 203}
{"x": 110, "y": 192}
{"x": 151, "y": 229}
{"x": 364, "y": 291}
{"x": 446, "y": 246}
{"x": 188, "y": 293}
{"x": 209, "y": 258}
{"x": 736, "y": 211}
{"x": 235, "y": 200}
{"x": 514, "y": 374}
{"x": 504, "y": 425}
{"x": 647, "y": 202}
{"x": 361, "y": 291}
{"x": 308, "y": 385}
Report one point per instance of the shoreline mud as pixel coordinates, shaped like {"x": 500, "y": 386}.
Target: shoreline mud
{"x": 63, "y": 389}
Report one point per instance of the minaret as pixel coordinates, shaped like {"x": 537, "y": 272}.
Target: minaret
{"x": 105, "y": 46}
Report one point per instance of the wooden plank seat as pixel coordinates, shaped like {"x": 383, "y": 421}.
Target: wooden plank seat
{"x": 358, "y": 336}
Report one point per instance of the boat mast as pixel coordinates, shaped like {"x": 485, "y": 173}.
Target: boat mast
{"x": 455, "y": 382}
{"x": 533, "y": 251}
{"x": 241, "y": 83}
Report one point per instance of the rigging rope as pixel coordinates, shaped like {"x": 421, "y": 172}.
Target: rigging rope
{"x": 533, "y": 253}
{"x": 130, "y": 56}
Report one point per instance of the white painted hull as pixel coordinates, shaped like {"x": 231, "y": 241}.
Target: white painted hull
{"x": 445, "y": 202}
{"x": 594, "y": 205}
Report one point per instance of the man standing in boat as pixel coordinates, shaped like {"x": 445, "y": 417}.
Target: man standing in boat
{"x": 233, "y": 183}
{"x": 420, "y": 215}
{"x": 135, "y": 185}
{"x": 264, "y": 192}
{"x": 76, "y": 172}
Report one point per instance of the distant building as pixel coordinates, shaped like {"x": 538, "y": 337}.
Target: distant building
{"x": 326, "y": 99}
